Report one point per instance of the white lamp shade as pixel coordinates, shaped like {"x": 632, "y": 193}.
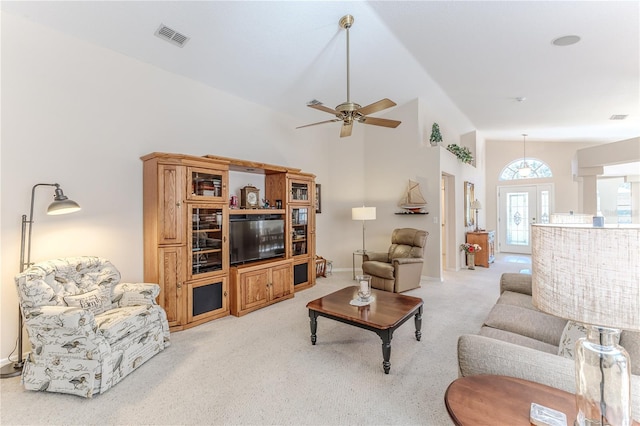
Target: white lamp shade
{"x": 363, "y": 213}
{"x": 588, "y": 274}
{"x": 475, "y": 205}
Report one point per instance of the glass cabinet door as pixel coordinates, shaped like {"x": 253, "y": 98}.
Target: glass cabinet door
{"x": 207, "y": 240}
{"x": 299, "y": 231}
{"x": 300, "y": 192}
{"x": 207, "y": 183}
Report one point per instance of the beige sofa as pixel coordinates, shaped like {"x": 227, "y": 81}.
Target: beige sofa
{"x": 518, "y": 340}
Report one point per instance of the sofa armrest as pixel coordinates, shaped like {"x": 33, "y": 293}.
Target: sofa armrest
{"x": 63, "y": 317}
{"x": 375, "y": 256}
{"x": 135, "y": 294}
{"x": 518, "y": 283}
{"x": 484, "y": 355}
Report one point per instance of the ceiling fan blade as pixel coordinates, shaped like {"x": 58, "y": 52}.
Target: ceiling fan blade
{"x": 380, "y": 122}
{"x": 320, "y": 122}
{"x": 319, "y": 106}
{"x": 377, "y": 106}
{"x": 346, "y": 130}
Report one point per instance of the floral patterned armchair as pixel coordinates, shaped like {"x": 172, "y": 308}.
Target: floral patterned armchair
{"x": 87, "y": 329}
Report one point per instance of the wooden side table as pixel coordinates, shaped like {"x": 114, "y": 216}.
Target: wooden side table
{"x": 486, "y": 240}
{"x": 502, "y": 400}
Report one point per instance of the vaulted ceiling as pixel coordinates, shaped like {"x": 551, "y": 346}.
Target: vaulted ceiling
{"x": 485, "y": 56}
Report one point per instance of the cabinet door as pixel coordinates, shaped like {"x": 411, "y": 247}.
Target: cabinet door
{"x": 281, "y": 282}
{"x": 253, "y": 288}
{"x": 299, "y": 218}
{"x": 207, "y": 240}
{"x": 300, "y": 191}
{"x": 207, "y": 184}
{"x": 171, "y": 279}
{"x": 171, "y": 210}
{"x": 207, "y": 299}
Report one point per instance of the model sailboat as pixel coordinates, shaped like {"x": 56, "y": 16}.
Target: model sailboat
{"x": 413, "y": 200}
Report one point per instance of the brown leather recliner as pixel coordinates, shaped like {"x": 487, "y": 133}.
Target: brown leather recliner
{"x": 400, "y": 268}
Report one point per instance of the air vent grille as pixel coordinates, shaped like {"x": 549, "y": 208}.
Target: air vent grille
{"x": 618, "y": 117}
{"x": 171, "y": 35}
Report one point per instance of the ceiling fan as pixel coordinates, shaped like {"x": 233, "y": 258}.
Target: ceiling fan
{"x": 349, "y": 112}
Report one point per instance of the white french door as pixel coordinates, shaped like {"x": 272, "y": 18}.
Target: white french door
{"x": 518, "y": 208}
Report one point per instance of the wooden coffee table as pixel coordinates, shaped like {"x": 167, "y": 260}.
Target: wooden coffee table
{"x": 383, "y": 316}
{"x": 502, "y": 400}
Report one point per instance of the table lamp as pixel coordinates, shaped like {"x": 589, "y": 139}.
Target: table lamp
{"x": 60, "y": 205}
{"x": 363, "y": 213}
{"x": 591, "y": 275}
{"x": 475, "y": 205}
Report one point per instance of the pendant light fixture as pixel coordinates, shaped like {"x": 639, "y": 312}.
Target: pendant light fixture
{"x": 524, "y": 170}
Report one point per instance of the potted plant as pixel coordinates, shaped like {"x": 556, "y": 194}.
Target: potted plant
{"x": 470, "y": 250}
{"x": 462, "y": 152}
{"x": 436, "y": 137}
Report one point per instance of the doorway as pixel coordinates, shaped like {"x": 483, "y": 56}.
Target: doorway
{"x": 520, "y": 206}
{"x": 447, "y": 222}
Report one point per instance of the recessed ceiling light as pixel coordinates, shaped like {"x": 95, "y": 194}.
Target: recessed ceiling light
{"x": 567, "y": 40}
{"x": 618, "y": 116}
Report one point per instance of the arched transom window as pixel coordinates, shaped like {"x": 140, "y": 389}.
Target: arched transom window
{"x": 539, "y": 169}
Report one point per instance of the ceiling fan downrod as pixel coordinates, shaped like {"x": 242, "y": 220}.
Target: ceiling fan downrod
{"x": 346, "y": 22}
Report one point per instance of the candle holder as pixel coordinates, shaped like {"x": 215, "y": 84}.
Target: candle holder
{"x": 364, "y": 288}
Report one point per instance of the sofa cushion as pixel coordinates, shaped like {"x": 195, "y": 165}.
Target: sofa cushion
{"x": 120, "y": 322}
{"x": 527, "y": 322}
{"x": 518, "y": 339}
{"x": 570, "y": 335}
{"x": 516, "y": 299}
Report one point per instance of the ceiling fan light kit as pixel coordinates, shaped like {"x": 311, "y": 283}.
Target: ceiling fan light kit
{"x": 349, "y": 112}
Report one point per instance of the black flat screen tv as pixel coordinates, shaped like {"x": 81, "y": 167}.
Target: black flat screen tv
{"x": 255, "y": 237}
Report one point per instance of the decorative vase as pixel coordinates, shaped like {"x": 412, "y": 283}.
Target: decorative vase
{"x": 471, "y": 260}
{"x": 364, "y": 287}
{"x": 603, "y": 377}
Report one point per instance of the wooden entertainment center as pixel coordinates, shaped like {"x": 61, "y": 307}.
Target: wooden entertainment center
{"x": 187, "y": 216}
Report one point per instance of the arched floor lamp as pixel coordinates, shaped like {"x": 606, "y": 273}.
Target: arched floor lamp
{"x": 60, "y": 205}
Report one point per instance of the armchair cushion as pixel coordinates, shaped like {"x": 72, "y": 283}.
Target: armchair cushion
{"x": 376, "y": 256}
{"x": 121, "y": 322}
{"x": 380, "y": 269}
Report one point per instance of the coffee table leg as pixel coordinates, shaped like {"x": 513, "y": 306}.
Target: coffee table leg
{"x": 313, "y": 322}
{"x": 418, "y": 321}
{"x": 386, "y": 350}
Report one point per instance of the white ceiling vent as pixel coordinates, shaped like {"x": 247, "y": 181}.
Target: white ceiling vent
{"x": 618, "y": 116}
{"x": 171, "y": 36}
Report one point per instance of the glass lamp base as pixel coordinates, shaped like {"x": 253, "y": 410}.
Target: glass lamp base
{"x": 603, "y": 379}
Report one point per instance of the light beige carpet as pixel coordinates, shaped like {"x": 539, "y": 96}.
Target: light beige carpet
{"x": 262, "y": 368}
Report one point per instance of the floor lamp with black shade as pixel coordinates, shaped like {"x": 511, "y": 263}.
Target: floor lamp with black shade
{"x": 60, "y": 205}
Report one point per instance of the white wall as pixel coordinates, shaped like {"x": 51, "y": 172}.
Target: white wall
{"x": 82, "y": 116}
